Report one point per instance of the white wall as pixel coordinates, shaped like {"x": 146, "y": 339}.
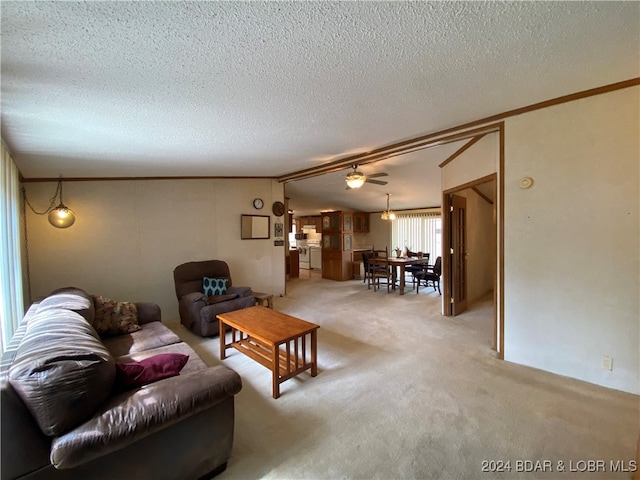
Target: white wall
{"x": 571, "y": 259}
{"x": 130, "y": 235}
{"x": 379, "y": 232}
{"x": 480, "y": 160}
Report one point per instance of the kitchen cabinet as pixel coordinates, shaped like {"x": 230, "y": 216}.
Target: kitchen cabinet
{"x": 337, "y": 245}
{"x": 347, "y": 222}
{"x": 336, "y": 265}
{"x": 314, "y": 221}
{"x": 293, "y": 265}
{"x": 361, "y": 222}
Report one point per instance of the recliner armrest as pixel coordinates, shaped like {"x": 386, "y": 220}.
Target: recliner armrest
{"x": 133, "y": 415}
{"x": 194, "y": 297}
{"x": 240, "y": 291}
{"x": 189, "y": 307}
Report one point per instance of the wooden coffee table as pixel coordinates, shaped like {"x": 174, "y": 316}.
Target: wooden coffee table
{"x": 273, "y": 339}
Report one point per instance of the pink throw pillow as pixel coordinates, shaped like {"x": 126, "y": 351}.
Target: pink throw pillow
{"x": 149, "y": 370}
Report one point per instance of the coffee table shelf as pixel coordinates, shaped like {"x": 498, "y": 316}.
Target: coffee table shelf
{"x": 284, "y": 344}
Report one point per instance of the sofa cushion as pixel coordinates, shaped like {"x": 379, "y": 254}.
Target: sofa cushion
{"x": 214, "y": 286}
{"x": 61, "y": 370}
{"x": 194, "y": 364}
{"x": 114, "y": 318}
{"x": 151, "y": 335}
{"x": 149, "y": 370}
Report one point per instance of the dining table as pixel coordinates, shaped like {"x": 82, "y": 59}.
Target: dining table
{"x": 399, "y": 264}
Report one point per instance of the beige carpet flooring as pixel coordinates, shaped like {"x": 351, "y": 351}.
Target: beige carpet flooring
{"x": 403, "y": 392}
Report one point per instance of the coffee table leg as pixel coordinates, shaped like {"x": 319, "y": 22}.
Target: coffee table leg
{"x": 223, "y": 346}
{"x": 314, "y": 355}
{"x": 275, "y": 370}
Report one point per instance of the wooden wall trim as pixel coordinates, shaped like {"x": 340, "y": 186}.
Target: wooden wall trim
{"x": 500, "y": 311}
{"x": 433, "y": 139}
{"x": 429, "y": 141}
{"x": 482, "y": 195}
{"x": 441, "y": 137}
{"x": 462, "y": 149}
{"x": 109, "y": 179}
{"x": 471, "y": 184}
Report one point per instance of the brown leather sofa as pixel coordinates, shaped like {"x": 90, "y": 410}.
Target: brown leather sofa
{"x": 62, "y": 418}
{"x": 197, "y": 310}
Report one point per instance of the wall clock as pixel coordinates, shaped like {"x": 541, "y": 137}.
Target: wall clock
{"x": 278, "y": 209}
{"x": 258, "y": 203}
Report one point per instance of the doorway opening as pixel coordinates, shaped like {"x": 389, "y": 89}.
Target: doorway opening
{"x": 470, "y": 248}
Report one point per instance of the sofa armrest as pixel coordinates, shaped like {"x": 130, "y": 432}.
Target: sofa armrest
{"x": 133, "y": 415}
{"x": 148, "y": 312}
{"x": 24, "y": 447}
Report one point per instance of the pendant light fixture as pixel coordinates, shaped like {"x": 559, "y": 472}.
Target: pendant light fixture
{"x": 60, "y": 216}
{"x": 388, "y": 213}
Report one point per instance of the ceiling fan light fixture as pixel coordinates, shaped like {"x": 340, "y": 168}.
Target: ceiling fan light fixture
{"x": 355, "y": 179}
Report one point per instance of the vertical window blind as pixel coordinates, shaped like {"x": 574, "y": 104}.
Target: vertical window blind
{"x": 11, "y": 298}
{"x": 418, "y": 232}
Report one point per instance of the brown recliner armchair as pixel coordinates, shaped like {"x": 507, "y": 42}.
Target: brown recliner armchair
{"x": 197, "y": 310}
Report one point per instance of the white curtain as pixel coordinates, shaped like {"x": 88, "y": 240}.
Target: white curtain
{"x": 418, "y": 232}
{"x": 11, "y": 297}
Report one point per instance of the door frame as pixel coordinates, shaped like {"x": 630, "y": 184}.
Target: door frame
{"x": 457, "y": 249}
{"x": 498, "y": 323}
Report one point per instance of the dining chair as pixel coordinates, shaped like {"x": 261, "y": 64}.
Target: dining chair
{"x": 366, "y": 259}
{"x": 381, "y": 270}
{"x": 381, "y": 253}
{"x": 411, "y": 269}
{"x": 430, "y": 274}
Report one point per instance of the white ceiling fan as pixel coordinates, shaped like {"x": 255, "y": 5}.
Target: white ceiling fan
{"x": 356, "y": 179}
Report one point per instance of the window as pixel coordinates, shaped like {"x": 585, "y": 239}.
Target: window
{"x": 11, "y": 299}
{"x": 418, "y": 232}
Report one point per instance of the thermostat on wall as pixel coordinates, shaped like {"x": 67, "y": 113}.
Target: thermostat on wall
{"x": 526, "y": 182}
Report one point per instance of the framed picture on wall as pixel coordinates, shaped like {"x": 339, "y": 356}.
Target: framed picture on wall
{"x": 278, "y": 229}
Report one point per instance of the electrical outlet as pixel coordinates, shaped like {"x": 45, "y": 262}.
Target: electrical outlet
{"x": 607, "y": 363}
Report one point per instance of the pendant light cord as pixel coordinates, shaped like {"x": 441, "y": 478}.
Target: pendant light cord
{"x": 52, "y": 200}
{"x": 25, "y": 203}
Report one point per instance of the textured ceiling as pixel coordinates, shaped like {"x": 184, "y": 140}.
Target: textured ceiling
{"x": 101, "y": 89}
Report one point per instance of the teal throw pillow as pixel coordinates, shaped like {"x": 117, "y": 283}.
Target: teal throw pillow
{"x": 214, "y": 286}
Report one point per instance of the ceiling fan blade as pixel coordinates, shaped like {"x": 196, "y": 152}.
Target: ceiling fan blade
{"x": 377, "y": 182}
{"x": 381, "y": 174}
